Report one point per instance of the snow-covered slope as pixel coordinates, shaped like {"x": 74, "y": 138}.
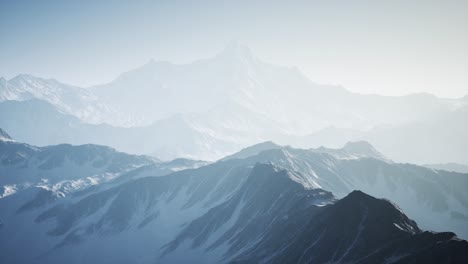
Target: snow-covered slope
{"x": 236, "y": 76}
{"x": 71, "y": 100}
{"x": 61, "y": 168}
{"x": 437, "y": 200}
{"x": 227, "y": 211}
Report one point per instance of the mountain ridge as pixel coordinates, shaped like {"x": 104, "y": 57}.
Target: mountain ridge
{"x": 249, "y": 101}
{"x": 277, "y": 223}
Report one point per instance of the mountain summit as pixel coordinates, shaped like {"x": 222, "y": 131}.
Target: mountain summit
{"x": 362, "y": 148}
{"x": 362, "y": 229}
{"x": 236, "y": 51}
{"x": 233, "y": 100}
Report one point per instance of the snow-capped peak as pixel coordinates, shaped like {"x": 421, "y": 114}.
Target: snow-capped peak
{"x": 362, "y": 148}
{"x": 237, "y": 51}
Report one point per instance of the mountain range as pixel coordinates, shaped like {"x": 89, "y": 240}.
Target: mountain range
{"x": 229, "y": 159}
{"x": 265, "y": 204}
{"x": 214, "y": 107}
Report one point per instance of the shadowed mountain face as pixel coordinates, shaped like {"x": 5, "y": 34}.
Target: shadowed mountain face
{"x": 359, "y": 229}
{"x": 220, "y": 213}
{"x": 267, "y": 206}
{"x": 437, "y": 200}
{"x": 159, "y": 213}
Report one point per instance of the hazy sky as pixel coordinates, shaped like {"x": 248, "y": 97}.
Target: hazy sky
{"x": 385, "y": 47}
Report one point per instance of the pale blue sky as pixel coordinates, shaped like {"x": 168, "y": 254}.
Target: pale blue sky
{"x": 385, "y": 47}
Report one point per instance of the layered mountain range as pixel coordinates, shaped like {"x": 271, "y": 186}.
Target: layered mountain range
{"x": 265, "y": 204}
{"x": 214, "y": 107}
{"x": 229, "y": 159}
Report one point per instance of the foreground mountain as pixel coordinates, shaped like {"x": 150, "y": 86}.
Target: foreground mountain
{"x": 357, "y": 229}
{"x": 228, "y": 211}
{"x": 437, "y": 200}
{"x": 439, "y": 195}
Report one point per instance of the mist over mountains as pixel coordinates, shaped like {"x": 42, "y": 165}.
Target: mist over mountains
{"x": 264, "y": 204}
{"x": 229, "y": 159}
{"x": 140, "y": 132}
{"x": 219, "y": 105}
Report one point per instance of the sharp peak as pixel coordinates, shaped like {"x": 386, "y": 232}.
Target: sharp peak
{"x": 395, "y": 220}
{"x": 358, "y": 194}
{"x": 358, "y": 197}
{"x": 234, "y": 50}
{"x": 265, "y": 144}
{"x": 363, "y": 148}
{"x": 237, "y": 50}
{"x": 359, "y": 144}
{"x": 253, "y": 150}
